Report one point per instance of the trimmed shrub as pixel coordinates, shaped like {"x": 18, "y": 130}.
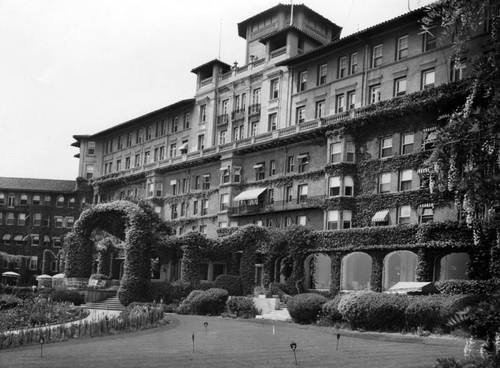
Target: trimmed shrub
{"x": 99, "y": 276}
{"x": 180, "y": 290}
{"x": 185, "y": 307}
{"x": 230, "y": 283}
{"x": 211, "y": 301}
{"x": 282, "y": 289}
{"x": 426, "y": 312}
{"x": 241, "y": 306}
{"x": 375, "y": 311}
{"x": 161, "y": 291}
{"x": 304, "y": 308}
{"x": 63, "y": 295}
{"x": 205, "y": 285}
{"x": 453, "y": 287}
{"x": 330, "y": 312}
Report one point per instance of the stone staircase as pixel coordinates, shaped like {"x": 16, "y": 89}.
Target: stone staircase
{"x": 276, "y": 315}
{"x": 107, "y": 304}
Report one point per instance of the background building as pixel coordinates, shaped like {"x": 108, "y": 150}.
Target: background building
{"x": 314, "y": 129}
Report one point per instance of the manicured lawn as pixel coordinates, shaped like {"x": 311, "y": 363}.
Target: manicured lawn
{"x": 234, "y": 343}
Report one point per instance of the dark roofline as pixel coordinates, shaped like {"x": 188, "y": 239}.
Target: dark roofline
{"x": 152, "y": 114}
{"x": 290, "y": 28}
{"x": 417, "y": 13}
{"x": 243, "y": 25}
{"x": 49, "y": 185}
{"x": 211, "y": 63}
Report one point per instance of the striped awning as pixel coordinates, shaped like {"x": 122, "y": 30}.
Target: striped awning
{"x": 430, "y": 129}
{"x": 18, "y": 238}
{"x": 6, "y": 237}
{"x": 426, "y": 205}
{"x": 46, "y": 239}
{"x": 249, "y": 194}
{"x": 381, "y": 216}
{"x": 423, "y": 170}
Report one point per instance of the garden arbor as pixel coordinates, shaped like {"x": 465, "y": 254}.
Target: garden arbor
{"x": 134, "y": 223}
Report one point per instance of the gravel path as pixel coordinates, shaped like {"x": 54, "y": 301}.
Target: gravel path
{"x": 236, "y": 343}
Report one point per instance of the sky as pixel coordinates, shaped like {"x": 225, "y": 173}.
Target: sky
{"x": 71, "y": 67}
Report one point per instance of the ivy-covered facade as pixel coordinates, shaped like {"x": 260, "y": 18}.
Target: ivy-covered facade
{"x": 326, "y": 132}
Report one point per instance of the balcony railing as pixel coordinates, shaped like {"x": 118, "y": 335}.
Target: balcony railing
{"x": 222, "y": 119}
{"x": 238, "y": 114}
{"x": 293, "y": 204}
{"x": 206, "y": 82}
{"x": 254, "y": 109}
{"x": 278, "y": 52}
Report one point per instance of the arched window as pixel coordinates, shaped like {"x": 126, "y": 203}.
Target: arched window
{"x": 60, "y": 201}
{"x": 356, "y": 271}
{"x": 318, "y": 271}
{"x": 453, "y": 266}
{"x": 24, "y": 200}
{"x": 71, "y": 203}
{"x": 2, "y": 199}
{"x": 399, "y": 266}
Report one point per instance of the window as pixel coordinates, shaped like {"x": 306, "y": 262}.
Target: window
{"x": 400, "y": 86}
{"x": 197, "y": 182}
{"x": 60, "y": 202}
{"x": 127, "y": 163}
{"x": 224, "y": 202}
{"x": 272, "y": 122}
{"x": 404, "y": 214}
{"x": 457, "y": 71}
{"x": 37, "y": 219}
{"x": 222, "y": 224}
{"x": 147, "y": 157}
{"x": 348, "y": 186}
{"x": 302, "y": 220}
{"x": 270, "y": 193}
{"x": 206, "y": 181}
{"x": 238, "y": 132}
{"x": 288, "y": 193}
{"x": 303, "y": 161}
{"x": 256, "y": 96}
{"x": 272, "y": 167}
{"x": 322, "y": 72}
{"x": 386, "y": 147}
{"x": 204, "y": 207}
{"x": 405, "y": 180}
{"x": 203, "y": 229}
{"x": 120, "y": 142}
{"x": 183, "y": 209}
{"x": 269, "y": 222}
{"x": 225, "y": 107}
{"x": 300, "y": 115}
{"x": 195, "y": 207}
{"x": 173, "y": 211}
{"x": 254, "y": 129}
{"x": 129, "y": 139}
{"x": 274, "y": 89}
{"x": 429, "y": 139}
{"x": 429, "y": 40}
{"x": 376, "y": 56}
{"x": 225, "y": 176}
{"x": 339, "y": 103}
{"x": 21, "y": 219}
{"x": 185, "y": 185}
{"x": 46, "y": 200}
{"x": 203, "y": 113}
{"x": 11, "y": 200}
{"x": 320, "y": 109}
{"x": 302, "y": 190}
{"x": 427, "y": 214}
{"x": 333, "y": 220}
{"x": 222, "y": 136}
{"x": 137, "y": 160}
{"x": 2, "y": 199}
{"x": 201, "y": 142}
{"x": 138, "y": 136}
{"x": 335, "y": 152}
{"x": 173, "y": 150}
{"x": 71, "y": 202}
{"x": 346, "y": 219}
{"x": 351, "y": 100}
{"x": 187, "y": 120}
{"x": 260, "y": 170}
{"x": 91, "y": 148}
{"x": 118, "y": 165}
{"x": 375, "y": 93}
{"x": 10, "y": 220}
{"x": 173, "y": 184}
{"x": 353, "y": 66}
{"x": 257, "y": 222}
{"x": 402, "y": 48}
{"x": 385, "y": 183}
{"x": 288, "y": 221}
{"x": 428, "y": 78}
{"x": 236, "y": 174}
{"x": 302, "y": 82}
{"x": 57, "y": 241}
{"x": 349, "y": 151}
{"x": 334, "y": 185}
{"x": 342, "y": 72}
{"x": 70, "y": 222}
{"x": 33, "y": 261}
{"x": 407, "y": 143}
{"x": 158, "y": 189}
{"x": 23, "y": 200}
{"x": 175, "y": 124}
{"x": 290, "y": 164}
{"x": 58, "y": 220}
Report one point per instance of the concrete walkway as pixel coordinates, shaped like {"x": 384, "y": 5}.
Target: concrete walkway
{"x": 228, "y": 343}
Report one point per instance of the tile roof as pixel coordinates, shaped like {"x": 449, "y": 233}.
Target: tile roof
{"x": 286, "y": 29}
{"x": 37, "y": 185}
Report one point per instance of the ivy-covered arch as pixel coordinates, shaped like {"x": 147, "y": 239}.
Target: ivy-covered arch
{"x": 135, "y": 223}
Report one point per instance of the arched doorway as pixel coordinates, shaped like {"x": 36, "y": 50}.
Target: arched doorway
{"x": 399, "y": 266}
{"x": 356, "y": 271}
{"x": 317, "y": 271}
{"x": 453, "y": 266}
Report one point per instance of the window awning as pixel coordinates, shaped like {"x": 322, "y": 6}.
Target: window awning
{"x": 18, "y": 238}
{"x": 258, "y": 166}
{"x": 183, "y": 147}
{"x": 173, "y": 182}
{"x": 6, "y": 237}
{"x": 381, "y": 216}
{"x": 426, "y": 205}
{"x": 303, "y": 156}
{"x": 429, "y": 129}
{"x": 249, "y": 194}
{"x": 423, "y": 170}
{"x": 46, "y": 239}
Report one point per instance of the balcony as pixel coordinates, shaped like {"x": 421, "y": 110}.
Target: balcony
{"x": 222, "y": 119}
{"x": 254, "y": 109}
{"x": 275, "y": 206}
{"x": 238, "y": 114}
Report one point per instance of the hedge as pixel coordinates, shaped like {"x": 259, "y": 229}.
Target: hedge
{"x": 241, "y": 306}
{"x": 304, "y": 308}
{"x": 453, "y": 287}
